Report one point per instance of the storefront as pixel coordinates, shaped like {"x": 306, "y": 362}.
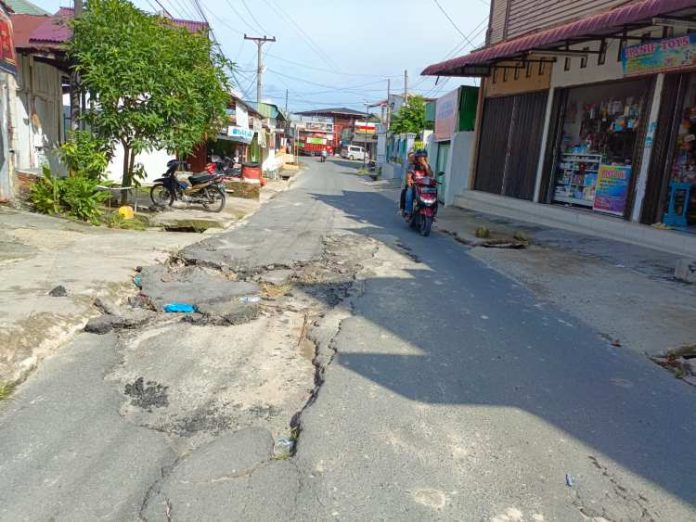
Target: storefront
{"x": 599, "y": 145}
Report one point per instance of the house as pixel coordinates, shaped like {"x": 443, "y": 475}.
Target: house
{"x": 270, "y": 140}
{"x": 42, "y": 112}
{"x": 343, "y": 121}
{"x": 587, "y": 117}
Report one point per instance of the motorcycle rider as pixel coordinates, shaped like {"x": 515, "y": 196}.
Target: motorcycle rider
{"x": 324, "y": 154}
{"x": 421, "y": 168}
{"x": 402, "y": 199}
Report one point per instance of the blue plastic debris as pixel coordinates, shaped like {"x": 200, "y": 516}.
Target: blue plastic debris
{"x": 179, "y": 308}
{"x": 138, "y": 280}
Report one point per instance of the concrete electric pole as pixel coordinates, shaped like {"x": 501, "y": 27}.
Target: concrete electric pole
{"x": 75, "y": 102}
{"x": 259, "y": 41}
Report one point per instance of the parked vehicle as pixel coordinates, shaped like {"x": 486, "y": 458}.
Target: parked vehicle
{"x": 425, "y": 205}
{"x": 354, "y": 152}
{"x": 206, "y": 188}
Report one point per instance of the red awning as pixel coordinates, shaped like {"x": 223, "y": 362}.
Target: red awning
{"x": 604, "y": 22}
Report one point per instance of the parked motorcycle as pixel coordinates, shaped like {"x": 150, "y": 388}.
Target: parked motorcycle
{"x": 205, "y": 188}
{"x": 424, "y": 205}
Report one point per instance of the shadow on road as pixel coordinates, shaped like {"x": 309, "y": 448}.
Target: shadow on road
{"x": 487, "y": 341}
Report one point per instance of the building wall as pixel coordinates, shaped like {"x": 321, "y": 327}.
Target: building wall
{"x": 504, "y": 83}
{"x": 496, "y": 25}
{"x": 528, "y": 15}
{"x": 39, "y": 115}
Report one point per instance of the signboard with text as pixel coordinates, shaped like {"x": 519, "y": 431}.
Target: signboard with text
{"x": 662, "y": 55}
{"x": 363, "y": 127}
{"x": 240, "y": 134}
{"x": 446, "y": 110}
{"x": 611, "y": 190}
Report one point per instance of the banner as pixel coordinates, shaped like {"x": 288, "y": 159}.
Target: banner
{"x": 316, "y": 141}
{"x": 8, "y": 58}
{"x": 446, "y": 112}
{"x": 611, "y": 190}
{"x": 363, "y": 127}
{"x": 662, "y": 55}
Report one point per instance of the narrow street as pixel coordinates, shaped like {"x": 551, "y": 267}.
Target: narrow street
{"x": 436, "y": 388}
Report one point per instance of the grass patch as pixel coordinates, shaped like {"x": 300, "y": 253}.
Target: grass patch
{"x": 6, "y": 389}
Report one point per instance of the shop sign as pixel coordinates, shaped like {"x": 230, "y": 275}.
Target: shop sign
{"x": 446, "y": 109}
{"x": 238, "y": 133}
{"x": 363, "y": 127}
{"x": 8, "y": 58}
{"x": 661, "y": 55}
{"x": 611, "y": 190}
{"x": 316, "y": 141}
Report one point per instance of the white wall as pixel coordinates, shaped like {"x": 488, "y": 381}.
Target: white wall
{"x": 459, "y": 165}
{"x": 155, "y": 164}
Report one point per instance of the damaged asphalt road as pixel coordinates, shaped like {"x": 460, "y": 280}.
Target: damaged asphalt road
{"x": 413, "y": 382}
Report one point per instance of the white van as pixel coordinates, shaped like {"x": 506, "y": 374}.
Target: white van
{"x": 354, "y": 152}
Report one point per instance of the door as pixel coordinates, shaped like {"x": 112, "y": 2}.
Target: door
{"x": 441, "y": 164}
{"x": 510, "y": 144}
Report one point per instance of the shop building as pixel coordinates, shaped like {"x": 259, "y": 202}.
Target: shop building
{"x": 342, "y": 119}
{"x": 588, "y": 122}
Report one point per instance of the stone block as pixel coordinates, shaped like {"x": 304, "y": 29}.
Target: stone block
{"x": 686, "y": 270}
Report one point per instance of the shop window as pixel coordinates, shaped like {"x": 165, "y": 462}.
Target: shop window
{"x": 595, "y": 159}
{"x": 566, "y": 66}
{"x": 583, "y": 60}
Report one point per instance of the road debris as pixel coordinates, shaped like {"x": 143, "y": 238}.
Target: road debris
{"x": 58, "y": 291}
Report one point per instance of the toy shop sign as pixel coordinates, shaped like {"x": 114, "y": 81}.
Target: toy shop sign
{"x": 659, "y": 56}
{"x": 8, "y": 59}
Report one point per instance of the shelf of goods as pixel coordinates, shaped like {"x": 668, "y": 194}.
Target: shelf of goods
{"x": 577, "y": 177}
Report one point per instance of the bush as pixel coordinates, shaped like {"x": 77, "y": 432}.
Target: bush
{"x": 85, "y": 155}
{"x": 74, "y": 196}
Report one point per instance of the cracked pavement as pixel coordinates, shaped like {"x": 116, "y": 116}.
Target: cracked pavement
{"x": 419, "y": 384}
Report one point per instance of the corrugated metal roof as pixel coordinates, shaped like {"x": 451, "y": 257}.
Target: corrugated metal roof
{"x": 25, "y": 8}
{"x": 613, "y": 19}
{"x": 22, "y": 28}
{"x": 55, "y": 30}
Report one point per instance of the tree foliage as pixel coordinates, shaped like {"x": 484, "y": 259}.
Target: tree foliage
{"x": 411, "y": 117}
{"x": 150, "y": 84}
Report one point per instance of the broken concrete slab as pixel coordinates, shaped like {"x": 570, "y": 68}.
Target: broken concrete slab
{"x": 108, "y": 322}
{"x": 192, "y": 284}
{"x": 686, "y": 271}
{"x": 227, "y": 312}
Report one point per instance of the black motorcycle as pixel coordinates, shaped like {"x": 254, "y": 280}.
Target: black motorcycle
{"x": 206, "y": 188}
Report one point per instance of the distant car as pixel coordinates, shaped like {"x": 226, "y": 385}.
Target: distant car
{"x": 354, "y": 152}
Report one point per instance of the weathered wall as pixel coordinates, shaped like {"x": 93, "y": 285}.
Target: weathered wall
{"x": 528, "y": 15}
{"x": 535, "y": 78}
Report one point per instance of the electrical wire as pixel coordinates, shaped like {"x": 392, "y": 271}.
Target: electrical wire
{"x": 439, "y": 5}
{"x": 254, "y": 19}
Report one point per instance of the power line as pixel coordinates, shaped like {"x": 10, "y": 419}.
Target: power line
{"x": 254, "y": 19}
{"x": 308, "y": 39}
{"x": 437, "y": 3}
{"x": 305, "y": 66}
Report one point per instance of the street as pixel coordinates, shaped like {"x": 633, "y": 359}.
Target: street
{"x": 435, "y": 388}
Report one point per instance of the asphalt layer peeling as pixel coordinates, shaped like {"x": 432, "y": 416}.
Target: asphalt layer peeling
{"x": 147, "y": 395}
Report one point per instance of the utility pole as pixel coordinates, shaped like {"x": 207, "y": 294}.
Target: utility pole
{"x": 75, "y": 102}
{"x": 405, "y": 84}
{"x": 259, "y": 41}
{"x": 388, "y": 103}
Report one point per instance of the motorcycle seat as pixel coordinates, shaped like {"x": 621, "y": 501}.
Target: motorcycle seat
{"x": 199, "y": 179}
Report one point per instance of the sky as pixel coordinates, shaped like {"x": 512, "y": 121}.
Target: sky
{"x": 332, "y": 53}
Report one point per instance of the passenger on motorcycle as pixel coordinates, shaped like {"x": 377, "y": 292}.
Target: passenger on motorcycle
{"x": 420, "y": 169}
{"x": 404, "y": 185}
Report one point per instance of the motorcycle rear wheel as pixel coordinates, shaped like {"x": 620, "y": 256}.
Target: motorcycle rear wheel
{"x": 161, "y": 196}
{"x": 217, "y": 198}
{"x": 426, "y": 224}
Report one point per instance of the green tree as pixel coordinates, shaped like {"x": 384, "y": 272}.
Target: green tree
{"x": 150, "y": 84}
{"x": 411, "y": 117}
